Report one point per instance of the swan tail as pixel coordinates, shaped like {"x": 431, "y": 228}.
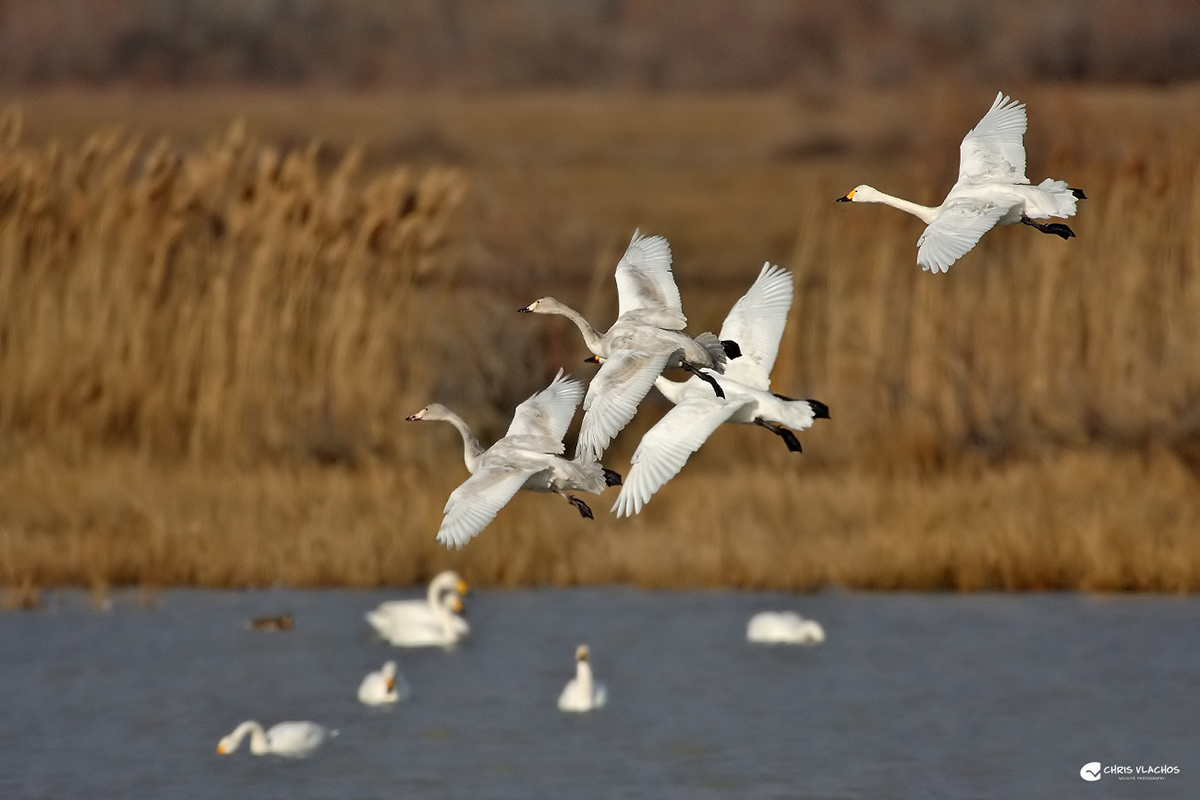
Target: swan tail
{"x": 801, "y": 414}
{"x": 1057, "y": 200}
{"x": 589, "y": 475}
{"x": 713, "y": 352}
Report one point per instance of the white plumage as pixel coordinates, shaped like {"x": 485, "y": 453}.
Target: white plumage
{"x": 383, "y": 687}
{"x": 756, "y": 322}
{"x": 783, "y": 627}
{"x": 291, "y": 739}
{"x": 582, "y": 693}
{"x": 991, "y": 190}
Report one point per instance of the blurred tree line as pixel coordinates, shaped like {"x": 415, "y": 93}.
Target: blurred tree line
{"x": 630, "y": 44}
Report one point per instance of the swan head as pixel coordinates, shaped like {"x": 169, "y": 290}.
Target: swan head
{"x": 860, "y": 194}
{"x": 431, "y": 411}
{"x": 582, "y": 653}
{"x": 455, "y": 604}
{"x": 543, "y": 305}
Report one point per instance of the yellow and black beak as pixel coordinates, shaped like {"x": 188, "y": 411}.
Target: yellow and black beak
{"x": 846, "y": 198}
{"x": 591, "y": 360}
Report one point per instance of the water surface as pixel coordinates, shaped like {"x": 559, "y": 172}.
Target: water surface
{"x": 911, "y": 696}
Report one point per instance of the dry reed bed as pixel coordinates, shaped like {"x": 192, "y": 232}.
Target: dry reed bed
{"x": 186, "y": 336}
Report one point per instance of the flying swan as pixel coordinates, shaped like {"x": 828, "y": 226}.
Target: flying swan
{"x": 383, "y": 686}
{"x": 756, "y": 322}
{"x": 991, "y": 190}
{"x": 291, "y": 739}
{"x": 582, "y": 693}
{"x": 647, "y": 338}
{"x": 528, "y": 457}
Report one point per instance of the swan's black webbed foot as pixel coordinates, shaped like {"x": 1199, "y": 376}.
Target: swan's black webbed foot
{"x": 709, "y": 379}
{"x": 584, "y": 511}
{"x": 789, "y": 438}
{"x": 732, "y": 349}
{"x": 1056, "y": 228}
{"x": 611, "y": 477}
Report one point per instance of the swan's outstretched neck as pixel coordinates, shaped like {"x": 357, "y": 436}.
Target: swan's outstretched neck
{"x": 869, "y": 194}
{"x": 472, "y": 449}
{"x": 590, "y": 335}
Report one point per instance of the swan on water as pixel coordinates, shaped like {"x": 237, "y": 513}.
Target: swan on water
{"x": 390, "y": 613}
{"x": 291, "y": 739}
{"x": 991, "y": 190}
{"x": 383, "y": 686}
{"x": 582, "y": 693}
{"x": 783, "y": 627}
{"x": 528, "y": 457}
{"x": 443, "y": 627}
{"x": 646, "y": 338}
{"x": 756, "y": 322}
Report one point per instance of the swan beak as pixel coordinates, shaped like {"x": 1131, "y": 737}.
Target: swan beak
{"x": 463, "y": 588}
{"x": 846, "y": 198}
{"x": 524, "y": 310}
{"x": 221, "y": 749}
{"x": 413, "y": 418}
{"x": 592, "y": 360}
{"x": 391, "y": 684}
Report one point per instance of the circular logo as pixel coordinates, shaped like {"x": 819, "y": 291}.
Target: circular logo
{"x": 1090, "y": 771}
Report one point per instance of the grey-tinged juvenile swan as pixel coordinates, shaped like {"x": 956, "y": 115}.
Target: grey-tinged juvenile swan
{"x": 756, "y": 321}
{"x": 528, "y": 457}
{"x": 991, "y": 190}
{"x": 647, "y": 338}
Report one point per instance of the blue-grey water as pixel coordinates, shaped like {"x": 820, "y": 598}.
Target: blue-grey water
{"x": 945, "y": 696}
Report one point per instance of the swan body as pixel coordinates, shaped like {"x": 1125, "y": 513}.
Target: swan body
{"x": 646, "y": 338}
{"x": 528, "y": 457}
{"x": 290, "y": 739}
{"x": 783, "y": 627}
{"x": 991, "y": 190}
{"x": 756, "y": 322}
{"x": 582, "y": 693}
{"x": 391, "y": 613}
{"x": 444, "y": 627}
{"x": 383, "y": 686}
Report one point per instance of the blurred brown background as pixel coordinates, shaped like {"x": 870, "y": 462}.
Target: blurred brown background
{"x": 240, "y": 241}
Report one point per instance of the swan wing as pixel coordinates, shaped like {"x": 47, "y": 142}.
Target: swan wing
{"x": 475, "y": 504}
{"x": 644, "y": 281}
{"x": 955, "y": 231}
{"x": 993, "y": 149}
{"x": 667, "y": 446}
{"x": 549, "y": 412}
{"x": 612, "y": 398}
{"x": 756, "y": 323}
{"x": 295, "y": 738}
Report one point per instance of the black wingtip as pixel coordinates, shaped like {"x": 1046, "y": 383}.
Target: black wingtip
{"x": 1078, "y": 193}
{"x": 820, "y": 410}
{"x": 732, "y": 349}
{"x": 611, "y": 477}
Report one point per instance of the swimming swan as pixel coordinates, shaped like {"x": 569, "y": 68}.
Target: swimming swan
{"x": 756, "y": 322}
{"x": 528, "y": 457}
{"x": 443, "y": 628}
{"x": 390, "y": 613}
{"x": 291, "y": 739}
{"x": 582, "y": 693}
{"x": 783, "y": 627}
{"x": 383, "y": 686}
{"x": 991, "y": 190}
{"x": 647, "y": 338}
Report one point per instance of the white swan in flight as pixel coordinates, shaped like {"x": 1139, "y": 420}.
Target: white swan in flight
{"x": 647, "y": 338}
{"x": 391, "y": 613}
{"x": 583, "y": 692}
{"x": 382, "y": 687}
{"x": 783, "y": 627}
{"x": 528, "y": 457}
{"x": 444, "y": 628}
{"x": 991, "y": 190}
{"x": 291, "y": 739}
{"x": 756, "y": 322}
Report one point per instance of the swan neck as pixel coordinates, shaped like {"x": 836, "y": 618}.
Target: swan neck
{"x": 670, "y": 389}
{"x": 258, "y": 738}
{"x": 590, "y": 335}
{"x": 926, "y": 213}
{"x": 472, "y": 449}
{"x": 583, "y": 676}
